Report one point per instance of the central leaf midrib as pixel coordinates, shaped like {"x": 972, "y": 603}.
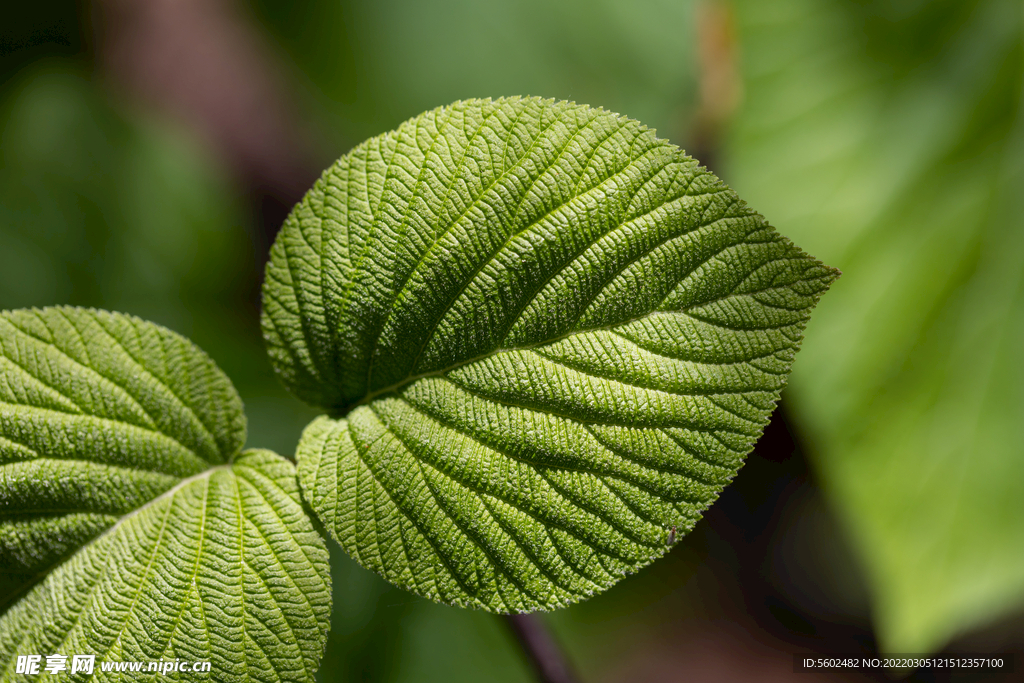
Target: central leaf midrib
{"x": 114, "y": 527}
{"x": 454, "y": 366}
{"x": 172, "y": 491}
{"x": 369, "y": 397}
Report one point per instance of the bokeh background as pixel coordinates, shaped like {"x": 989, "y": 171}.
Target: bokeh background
{"x": 150, "y": 150}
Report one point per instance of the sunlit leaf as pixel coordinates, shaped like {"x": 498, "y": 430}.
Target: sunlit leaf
{"x": 545, "y": 338}
{"x": 125, "y": 495}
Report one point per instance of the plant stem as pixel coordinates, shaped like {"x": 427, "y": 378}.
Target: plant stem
{"x": 546, "y": 657}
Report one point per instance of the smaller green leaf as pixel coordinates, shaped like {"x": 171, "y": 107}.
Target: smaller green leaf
{"x": 123, "y": 494}
{"x": 99, "y": 413}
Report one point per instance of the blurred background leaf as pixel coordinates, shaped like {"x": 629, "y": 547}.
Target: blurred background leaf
{"x": 149, "y": 152}
{"x": 886, "y": 138}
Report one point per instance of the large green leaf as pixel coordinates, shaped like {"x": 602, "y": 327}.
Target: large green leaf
{"x": 124, "y": 493}
{"x": 546, "y": 340}
{"x": 896, "y": 142}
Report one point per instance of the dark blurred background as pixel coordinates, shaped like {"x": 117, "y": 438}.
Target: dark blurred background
{"x": 149, "y": 151}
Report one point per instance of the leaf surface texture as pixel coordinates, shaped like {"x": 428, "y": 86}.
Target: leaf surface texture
{"x": 545, "y": 340}
{"x": 126, "y": 502}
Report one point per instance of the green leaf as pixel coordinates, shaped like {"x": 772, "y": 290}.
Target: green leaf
{"x": 546, "y": 340}
{"x": 124, "y": 492}
{"x": 898, "y": 148}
